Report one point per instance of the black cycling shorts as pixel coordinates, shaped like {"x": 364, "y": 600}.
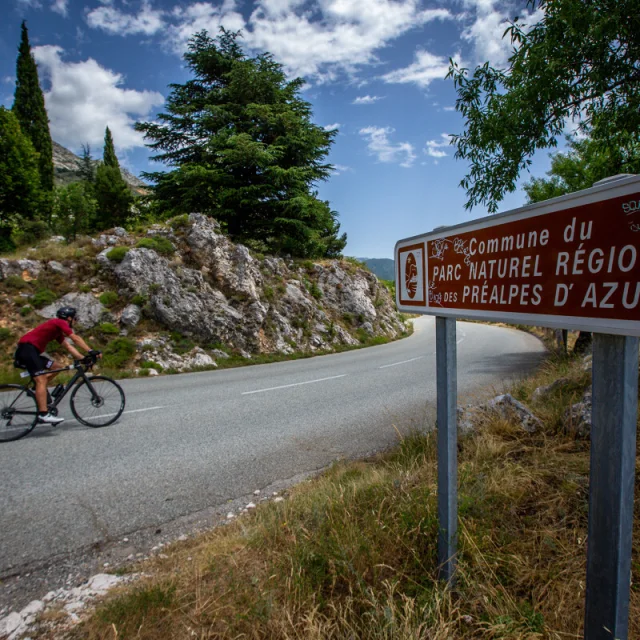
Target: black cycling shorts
{"x": 28, "y": 356}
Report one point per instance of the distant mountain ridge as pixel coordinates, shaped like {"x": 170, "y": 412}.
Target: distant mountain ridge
{"x": 384, "y": 268}
{"x": 66, "y": 167}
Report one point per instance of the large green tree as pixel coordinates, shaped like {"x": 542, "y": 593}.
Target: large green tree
{"x": 112, "y": 193}
{"x": 580, "y": 63}
{"x": 583, "y": 163}
{"x": 243, "y": 149}
{"x": 20, "y": 192}
{"x": 30, "y": 109}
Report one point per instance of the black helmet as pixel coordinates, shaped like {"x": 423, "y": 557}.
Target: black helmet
{"x": 66, "y": 312}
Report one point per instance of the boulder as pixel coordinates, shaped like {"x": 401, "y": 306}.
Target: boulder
{"x": 509, "y": 408}
{"x": 541, "y": 392}
{"x": 91, "y": 311}
{"x": 57, "y": 267}
{"x": 578, "y": 417}
{"x": 120, "y": 232}
{"x": 26, "y": 269}
{"x": 131, "y": 315}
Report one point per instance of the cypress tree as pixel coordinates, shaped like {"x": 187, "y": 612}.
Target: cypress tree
{"x": 87, "y": 169}
{"x": 30, "y": 109}
{"x": 111, "y": 191}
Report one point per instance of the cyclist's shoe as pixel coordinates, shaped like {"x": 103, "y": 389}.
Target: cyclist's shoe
{"x": 50, "y": 419}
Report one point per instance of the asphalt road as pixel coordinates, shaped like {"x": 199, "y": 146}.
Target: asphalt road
{"x": 193, "y": 441}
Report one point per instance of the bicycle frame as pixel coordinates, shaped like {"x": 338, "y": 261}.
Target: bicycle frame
{"x": 81, "y": 373}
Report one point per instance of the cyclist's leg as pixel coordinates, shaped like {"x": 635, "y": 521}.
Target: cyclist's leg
{"x": 29, "y": 356}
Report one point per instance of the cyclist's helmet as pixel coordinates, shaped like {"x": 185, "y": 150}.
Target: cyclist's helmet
{"x": 66, "y": 312}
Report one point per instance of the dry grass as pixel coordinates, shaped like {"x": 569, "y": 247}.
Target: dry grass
{"x": 352, "y": 554}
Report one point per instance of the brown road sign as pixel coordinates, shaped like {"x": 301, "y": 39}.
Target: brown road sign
{"x": 571, "y": 262}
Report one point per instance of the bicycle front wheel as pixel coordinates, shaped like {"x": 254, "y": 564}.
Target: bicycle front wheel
{"x": 18, "y": 412}
{"x": 97, "y": 402}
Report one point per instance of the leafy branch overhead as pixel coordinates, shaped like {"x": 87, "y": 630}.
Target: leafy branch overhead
{"x": 244, "y": 150}
{"x": 579, "y": 64}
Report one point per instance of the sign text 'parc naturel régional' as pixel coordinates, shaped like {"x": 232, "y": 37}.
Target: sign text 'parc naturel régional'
{"x": 571, "y": 262}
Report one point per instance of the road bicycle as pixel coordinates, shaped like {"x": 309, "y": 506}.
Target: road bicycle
{"x": 96, "y": 401}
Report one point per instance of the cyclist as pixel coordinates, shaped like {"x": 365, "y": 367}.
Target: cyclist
{"x": 30, "y": 355}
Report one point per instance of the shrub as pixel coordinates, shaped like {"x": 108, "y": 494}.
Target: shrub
{"x": 26, "y": 310}
{"x": 84, "y": 288}
{"x": 43, "y": 297}
{"x": 5, "y": 334}
{"x": 15, "y": 282}
{"x": 108, "y": 329}
{"x": 315, "y": 291}
{"x": 117, "y": 254}
{"x": 154, "y": 288}
{"x": 139, "y": 300}
{"x": 149, "y": 364}
{"x": 268, "y": 293}
{"x": 160, "y": 245}
{"x": 109, "y": 298}
{"x": 181, "y": 344}
{"x": 118, "y": 352}
{"x": 179, "y": 222}
{"x": 143, "y": 372}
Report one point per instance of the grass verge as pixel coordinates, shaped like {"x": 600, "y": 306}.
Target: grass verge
{"x": 353, "y": 553}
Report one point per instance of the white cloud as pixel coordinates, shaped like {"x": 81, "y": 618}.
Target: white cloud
{"x": 60, "y": 6}
{"x": 339, "y": 169}
{"x": 491, "y": 21}
{"x": 147, "y": 21}
{"x": 449, "y": 108}
{"x": 9, "y": 79}
{"x": 331, "y": 127}
{"x": 426, "y": 68}
{"x": 367, "y": 99}
{"x": 434, "y": 148}
{"x": 202, "y": 15}
{"x": 312, "y": 38}
{"x": 84, "y": 98}
{"x": 380, "y": 146}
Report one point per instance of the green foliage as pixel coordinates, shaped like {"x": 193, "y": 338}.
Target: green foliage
{"x": 179, "y": 222}
{"x": 139, "y": 300}
{"x": 109, "y": 298}
{"x": 87, "y": 167}
{"x": 112, "y": 193}
{"x": 315, "y": 290}
{"x": 580, "y": 63}
{"x": 149, "y": 364}
{"x": 30, "y": 110}
{"x": 118, "y": 352}
{"x": 74, "y": 207}
{"x": 108, "y": 329}
{"x": 20, "y": 193}
{"x": 117, "y": 254}
{"x": 30, "y": 232}
{"x": 586, "y": 161}
{"x": 43, "y": 297}
{"x": 159, "y": 244}
{"x": 243, "y": 149}
{"x": 181, "y": 344}
{"x": 15, "y": 282}
{"x": 5, "y": 334}
{"x": 26, "y": 310}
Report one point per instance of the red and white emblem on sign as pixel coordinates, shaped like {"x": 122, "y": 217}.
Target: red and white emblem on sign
{"x": 411, "y": 275}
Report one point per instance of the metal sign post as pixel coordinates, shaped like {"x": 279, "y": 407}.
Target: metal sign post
{"x": 572, "y": 262}
{"x": 612, "y": 474}
{"x": 447, "y": 384}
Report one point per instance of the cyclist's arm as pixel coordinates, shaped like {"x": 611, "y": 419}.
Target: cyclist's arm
{"x": 71, "y": 349}
{"x": 79, "y": 341}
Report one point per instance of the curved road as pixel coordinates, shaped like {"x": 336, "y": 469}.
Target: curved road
{"x": 191, "y": 442}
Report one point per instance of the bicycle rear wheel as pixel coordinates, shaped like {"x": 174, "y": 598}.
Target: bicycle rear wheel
{"x": 18, "y": 412}
{"x": 98, "y": 405}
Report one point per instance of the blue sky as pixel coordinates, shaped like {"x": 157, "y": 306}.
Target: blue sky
{"x": 374, "y": 69}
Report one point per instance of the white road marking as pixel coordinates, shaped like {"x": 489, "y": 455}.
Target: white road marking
{"x": 395, "y": 364}
{"x": 295, "y": 384}
{"x": 108, "y": 415}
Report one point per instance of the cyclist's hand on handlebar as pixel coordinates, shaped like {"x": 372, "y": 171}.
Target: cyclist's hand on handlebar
{"x": 94, "y": 353}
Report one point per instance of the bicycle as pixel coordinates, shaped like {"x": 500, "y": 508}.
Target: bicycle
{"x": 98, "y": 394}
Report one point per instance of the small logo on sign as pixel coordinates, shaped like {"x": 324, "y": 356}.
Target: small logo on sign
{"x": 411, "y": 275}
{"x": 629, "y": 209}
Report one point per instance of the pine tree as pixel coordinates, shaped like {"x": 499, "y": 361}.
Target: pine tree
{"x": 30, "y": 109}
{"x": 20, "y": 192}
{"x": 244, "y": 150}
{"x": 109, "y": 155}
{"x": 87, "y": 168}
{"x": 111, "y": 191}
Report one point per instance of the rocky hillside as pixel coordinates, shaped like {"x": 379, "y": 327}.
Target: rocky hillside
{"x": 181, "y": 296}
{"x": 66, "y": 166}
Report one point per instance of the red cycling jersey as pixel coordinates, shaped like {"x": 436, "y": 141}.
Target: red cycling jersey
{"x": 43, "y": 334}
